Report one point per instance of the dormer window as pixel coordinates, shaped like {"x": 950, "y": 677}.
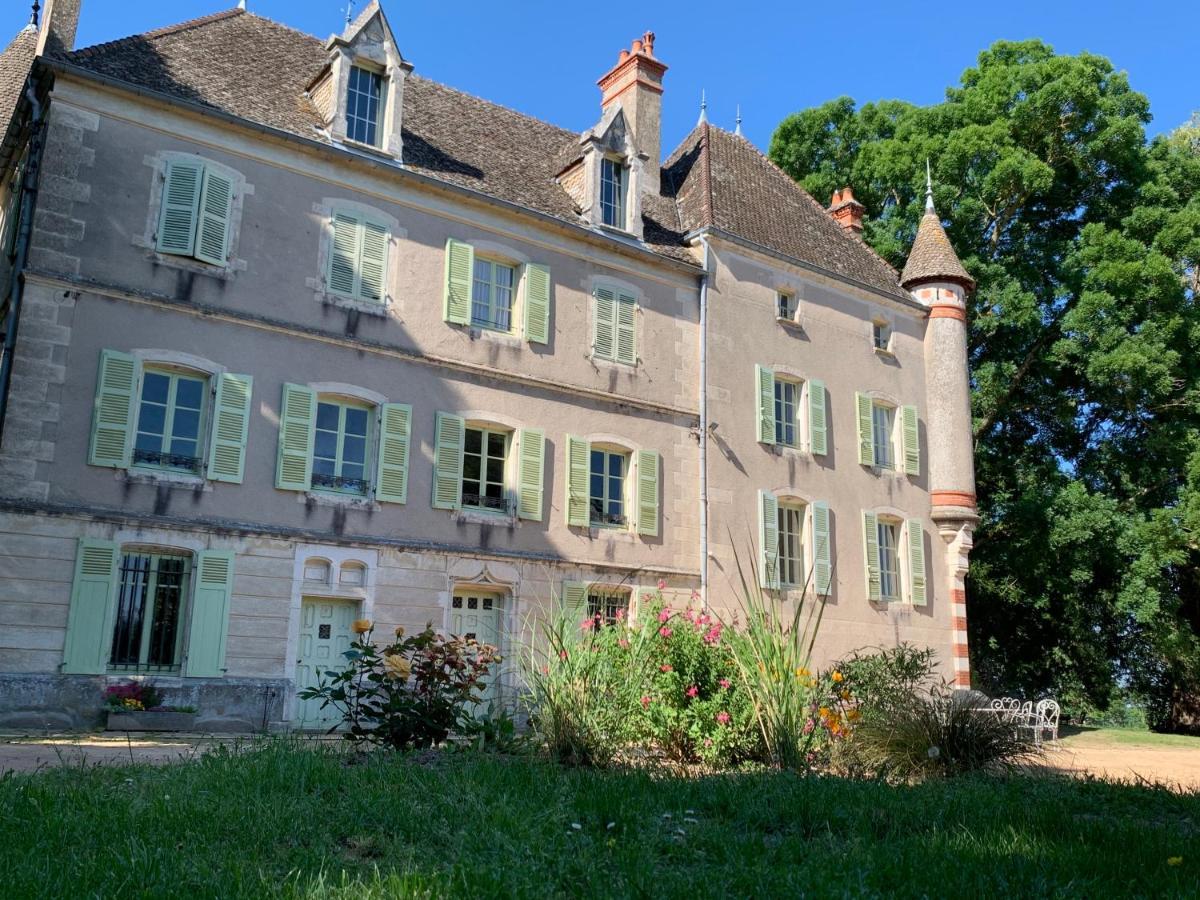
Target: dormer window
{"x": 613, "y": 189}
{"x": 364, "y": 106}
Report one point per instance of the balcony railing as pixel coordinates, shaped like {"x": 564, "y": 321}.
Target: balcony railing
{"x": 167, "y": 460}
{"x": 339, "y": 483}
{"x": 603, "y": 518}
{"x": 505, "y": 505}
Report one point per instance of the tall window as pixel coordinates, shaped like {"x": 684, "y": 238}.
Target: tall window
{"x": 484, "y": 455}
{"x": 787, "y": 406}
{"x": 492, "y": 295}
{"x": 612, "y": 193}
{"x": 170, "y": 410}
{"x": 364, "y": 102}
{"x": 340, "y": 447}
{"x": 148, "y": 635}
{"x": 791, "y": 545}
{"x": 889, "y": 560}
{"x": 882, "y": 427}
{"x": 608, "y": 487}
{"x": 608, "y": 607}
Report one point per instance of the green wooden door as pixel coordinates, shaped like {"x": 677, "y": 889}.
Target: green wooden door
{"x": 477, "y": 615}
{"x": 325, "y": 634}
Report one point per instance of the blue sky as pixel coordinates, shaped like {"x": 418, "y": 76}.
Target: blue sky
{"x": 543, "y": 58}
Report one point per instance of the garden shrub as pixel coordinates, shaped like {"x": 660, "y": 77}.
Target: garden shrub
{"x": 411, "y": 693}
{"x": 880, "y": 677}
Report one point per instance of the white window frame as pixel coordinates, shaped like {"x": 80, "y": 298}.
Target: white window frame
{"x": 508, "y": 483}
{"x": 787, "y": 507}
{"x": 627, "y": 481}
{"x": 515, "y": 292}
{"x": 373, "y": 411}
{"x": 895, "y": 527}
{"x": 890, "y": 464}
{"x": 613, "y": 164}
{"x": 381, "y": 108}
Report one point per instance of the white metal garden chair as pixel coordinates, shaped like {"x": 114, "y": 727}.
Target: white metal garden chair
{"x": 1047, "y": 714}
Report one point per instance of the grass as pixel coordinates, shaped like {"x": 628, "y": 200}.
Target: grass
{"x": 289, "y": 821}
{"x": 1139, "y": 737}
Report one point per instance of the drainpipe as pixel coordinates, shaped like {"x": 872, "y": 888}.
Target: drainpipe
{"x": 17, "y": 285}
{"x": 704, "y": 426}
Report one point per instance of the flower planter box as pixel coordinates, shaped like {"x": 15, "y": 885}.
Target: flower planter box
{"x": 151, "y": 721}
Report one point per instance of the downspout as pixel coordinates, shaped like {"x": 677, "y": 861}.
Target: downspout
{"x": 16, "y": 292}
{"x": 704, "y": 426}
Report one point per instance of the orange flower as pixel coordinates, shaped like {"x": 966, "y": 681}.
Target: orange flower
{"x": 361, "y": 626}
{"x": 837, "y": 676}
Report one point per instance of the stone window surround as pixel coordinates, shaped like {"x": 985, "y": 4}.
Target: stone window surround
{"x": 885, "y": 399}
{"x": 900, "y": 519}
{"x": 803, "y": 448}
{"x": 376, "y": 401}
{"x": 886, "y": 317}
{"x": 785, "y": 284}
{"x": 147, "y": 241}
{"x": 595, "y": 148}
{"x": 325, "y": 210}
{"x": 501, "y": 580}
{"x": 591, "y": 284}
{"x": 382, "y": 57}
{"x": 478, "y": 418}
{"x": 613, "y": 442}
{"x": 790, "y": 496}
{"x": 509, "y": 256}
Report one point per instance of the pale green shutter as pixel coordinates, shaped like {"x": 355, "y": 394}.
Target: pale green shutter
{"x": 627, "y": 329}
{"x": 372, "y": 270}
{"x": 866, "y": 433}
{"x": 818, "y": 439}
{"x": 112, "y": 412}
{"x": 93, "y": 602}
{"x": 647, "y": 493}
{"x": 578, "y": 493}
{"x": 460, "y": 269}
{"x": 822, "y": 548}
{"x": 916, "y": 562}
{"x": 231, "y": 423}
{"x": 391, "y": 483}
{"x": 764, "y": 390}
{"x": 871, "y": 554}
{"x": 216, "y": 208}
{"x": 210, "y": 614}
{"x": 297, "y": 428}
{"x": 180, "y": 207}
{"x": 344, "y": 252}
{"x": 912, "y": 441}
{"x": 447, "y": 461}
{"x": 530, "y": 466}
{"x": 574, "y": 603}
{"x": 768, "y": 540}
{"x": 537, "y": 304}
{"x": 604, "y": 324}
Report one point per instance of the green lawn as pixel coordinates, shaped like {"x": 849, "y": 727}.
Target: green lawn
{"x": 1139, "y": 737}
{"x": 289, "y": 821}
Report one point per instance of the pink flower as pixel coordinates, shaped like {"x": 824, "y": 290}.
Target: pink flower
{"x": 723, "y": 717}
{"x": 664, "y": 632}
{"x": 808, "y": 726}
{"x": 545, "y": 670}
{"x": 662, "y": 583}
{"x": 586, "y": 624}
{"x": 724, "y": 683}
{"x": 562, "y": 654}
{"x": 708, "y": 742}
{"x": 664, "y": 614}
{"x": 704, "y": 619}
{"x": 693, "y": 691}
{"x": 713, "y": 635}
{"x": 695, "y": 594}
{"x": 620, "y": 615}
{"x": 665, "y": 667}
{"x": 645, "y": 702}
{"x": 623, "y": 644}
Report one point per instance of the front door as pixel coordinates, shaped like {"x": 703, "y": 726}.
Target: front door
{"x": 325, "y": 634}
{"x": 476, "y": 615}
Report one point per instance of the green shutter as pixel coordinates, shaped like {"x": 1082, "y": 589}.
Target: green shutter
{"x": 647, "y": 493}
{"x": 447, "y": 461}
{"x": 537, "y": 304}
{"x": 604, "y": 324}
{"x": 112, "y": 411}
{"x": 912, "y": 441}
{"x": 578, "y": 505}
{"x": 866, "y": 434}
{"x": 345, "y": 250}
{"x": 530, "y": 473}
{"x": 297, "y": 428}
{"x": 460, "y": 268}
{"x": 871, "y": 554}
{"x": 372, "y": 269}
{"x": 216, "y": 208}
{"x": 180, "y": 207}
{"x": 391, "y": 482}
{"x": 93, "y": 602}
{"x": 916, "y": 563}
{"x": 768, "y": 540}
{"x": 627, "y": 329}
{"x": 231, "y": 423}
{"x": 822, "y": 548}
{"x": 210, "y": 614}
{"x": 574, "y": 602}
{"x": 818, "y": 440}
{"x": 764, "y": 389}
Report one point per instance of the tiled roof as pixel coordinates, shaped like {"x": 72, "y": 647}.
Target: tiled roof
{"x": 14, "y": 67}
{"x": 932, "y": 257}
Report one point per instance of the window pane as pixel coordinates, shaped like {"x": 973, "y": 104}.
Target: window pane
{"x": 325, "y": 444}
{"x": 155, "y": 387}
{"x": 471, "y": 466}
{"x": 152, "y": 418}
{"x": 328, "y": 416}
{"x": 354, "y": 449}
{"x": 189, "y": 393}
{"x": 324, "y": 467}
{"x": 186, "y": 424}
{"x": 356, "y": 421}
{"x": 598, "y": 461}
{"x": 352, "y": 470}
{"x": 496, "y": 444}
{"x": 184, "y": 447}
{"x": 616, "y": 464}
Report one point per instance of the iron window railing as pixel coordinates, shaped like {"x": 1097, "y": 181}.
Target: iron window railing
{"x": 504, "y": 505}
{"x": 167, "y": 460}
{"x": 340, "y": 483}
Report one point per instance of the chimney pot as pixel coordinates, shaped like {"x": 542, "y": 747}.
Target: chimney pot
{"x": 847, "y": 211}
{"x": 637, "y": 47}
{"x": 622, "y": 56}
{"x": 636, "y": 83}
{"x": 648, "y": 42}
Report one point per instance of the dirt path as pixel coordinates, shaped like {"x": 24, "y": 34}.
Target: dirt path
{"x": 25, "y": 754}
{"x": 1177, "y": 766}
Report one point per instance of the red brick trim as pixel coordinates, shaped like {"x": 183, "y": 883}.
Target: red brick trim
{"x": 945, "y": 311}
{"x": 952, "y": 498}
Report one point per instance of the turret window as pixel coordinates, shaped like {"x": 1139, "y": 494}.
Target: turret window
{"x": 364, "y": 106}
{"x": 613, "y": 188}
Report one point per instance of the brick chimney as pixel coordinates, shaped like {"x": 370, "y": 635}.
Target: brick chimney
{"x": 60, "y": 19}
{"x": 847, "y": 211}
{"x": 636, "y": 82}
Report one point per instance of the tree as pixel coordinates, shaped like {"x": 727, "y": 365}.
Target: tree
{"x": 1084, "y": 239}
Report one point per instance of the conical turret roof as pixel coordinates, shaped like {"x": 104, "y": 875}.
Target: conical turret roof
{"x": 932, "y": 257}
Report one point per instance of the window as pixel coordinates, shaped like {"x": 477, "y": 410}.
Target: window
{"x": 364, "y": 106}
{"x": 358, "y": 257}
{"x": 340, "y": 447}
{"x": 612, "y": 193}
{"x": 607, "y": 607}
{"x": 607, "y": 489}
{"x": 882, "y": 336}
{"x": 615, "y": 323}
{"x": 787, "y": 412}
{"x": 888, "y": 535}
{"x": 170, "y": 413}
{"x": 197, "y": 210}
{"x": 485, "y": 454}
{"x": 785, "y": 305}
{"x": 492, "y": 295}
{"x": 148, "y": 632}
{"x": 882, "y": 423}
{"x": 791, "y": 545}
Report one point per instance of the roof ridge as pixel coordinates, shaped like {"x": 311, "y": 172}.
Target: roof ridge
{"x": 706, "y": 174}
{"x": 83, "y": 52}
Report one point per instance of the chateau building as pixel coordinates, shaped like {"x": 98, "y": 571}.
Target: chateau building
{"x": 295, "y": 336}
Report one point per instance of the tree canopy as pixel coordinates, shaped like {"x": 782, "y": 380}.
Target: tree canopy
{"x": 1085, "y": 240}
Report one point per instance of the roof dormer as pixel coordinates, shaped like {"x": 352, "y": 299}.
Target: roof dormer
{"x": 613, "y": 172}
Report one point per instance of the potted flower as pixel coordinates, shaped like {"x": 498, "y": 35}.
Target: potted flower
{"x": 138, "y": 706}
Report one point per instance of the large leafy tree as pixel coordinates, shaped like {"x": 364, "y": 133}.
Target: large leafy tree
{"x": 1085, "y": 241}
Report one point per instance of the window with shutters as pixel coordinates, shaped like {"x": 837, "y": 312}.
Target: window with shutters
{"x": 359, "y": 247}
{"x": 791, "y": 544}
{"x": 614, "y": 182}
{"x": 365, "y": 104}
{"x": 883, "y": 429}
{"x": 607, "y": 606}
{"x": 485, "y": 469}
{"x": 888, "y": 536}
{"x": 170, "y": 420}
{"x": 196, "y": 217}
{"x": 341, "y": 446}
{"x": 148, "y": 625}
{"x": 607, "y": 473}
{"x": 787, "y": 411}
{"x": 492, "y": 290}
{"x": 614, "y": 325}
